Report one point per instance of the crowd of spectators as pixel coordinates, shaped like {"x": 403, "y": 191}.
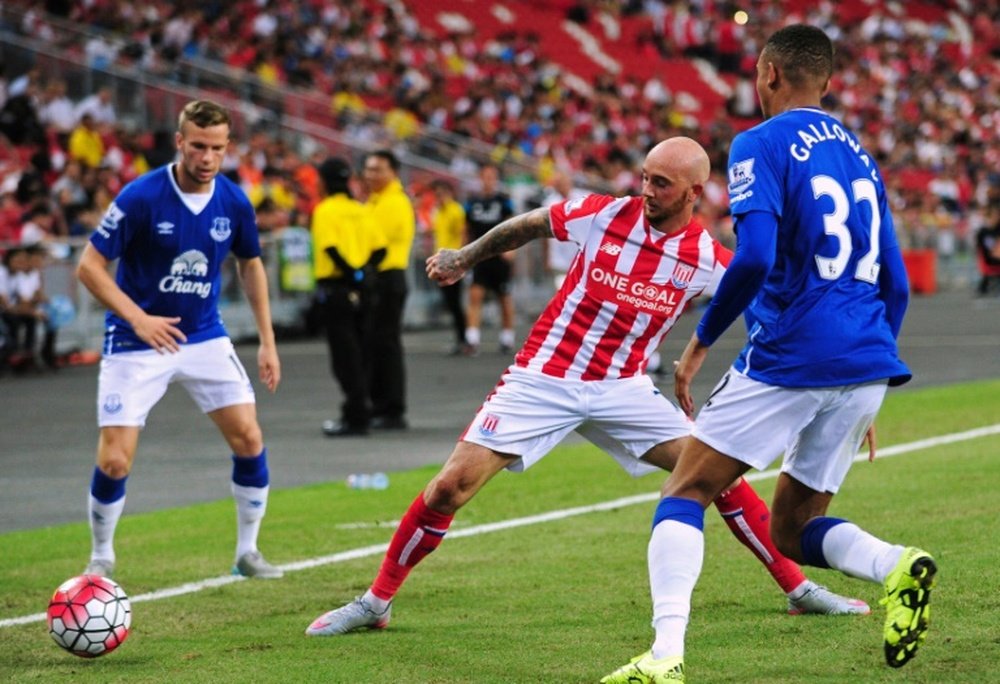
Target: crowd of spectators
{"x": 922, "y": 94}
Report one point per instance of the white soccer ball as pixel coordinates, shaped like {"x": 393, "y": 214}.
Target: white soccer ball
{"x": 89, "y": 616}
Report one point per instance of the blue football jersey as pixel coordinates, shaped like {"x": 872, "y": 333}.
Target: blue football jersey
{"x": 818, "y": 320}
{"x": 169, "y": 256}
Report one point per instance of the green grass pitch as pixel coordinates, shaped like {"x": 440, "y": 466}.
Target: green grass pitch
{"x": 559, "y": 601}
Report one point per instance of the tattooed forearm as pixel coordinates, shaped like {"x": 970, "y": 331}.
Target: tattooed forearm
{"x": 508, "y": 235}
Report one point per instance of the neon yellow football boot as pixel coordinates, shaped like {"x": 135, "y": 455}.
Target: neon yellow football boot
{"x": 907, "y": 599}
{"x": 643, "y": 669}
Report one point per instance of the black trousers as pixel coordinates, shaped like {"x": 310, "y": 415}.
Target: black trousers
{"x": 452, "y": 296}
{"x": 346, "y": 313}
{"x": 23, "y": 333}
{"x": 387, "y": 372}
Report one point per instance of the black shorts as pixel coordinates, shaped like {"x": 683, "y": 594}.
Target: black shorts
{"x": 493, "y": 274}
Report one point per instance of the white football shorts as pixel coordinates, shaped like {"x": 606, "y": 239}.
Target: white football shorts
{"x": 820, "y": 430}
{"x": 528, "y": 413}
{"x": 131, "y": 383}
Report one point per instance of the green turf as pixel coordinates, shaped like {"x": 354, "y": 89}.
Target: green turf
{"x": 562, "y": 601}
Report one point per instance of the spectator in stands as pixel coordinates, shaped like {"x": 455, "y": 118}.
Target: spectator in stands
{"x": 101, "y": 108}
{"x": 38, "y": 224}
{"x": 24, "y": 312}
{"x": 32, "y": 185}
{"x": 163, "y": 150}
{"x": 68, "y": 192}
{"x": 483, "y": 210}
{"x": 274, "y": 187}
{"x": 559, "y": 254}
{"x": 6, "y": 342}
{"x": 57, "y": 111}
{"x": 448, "y": 223}
{"x": 125, "y": 155}
{"x": 85, "y": 143}
{"x": 394, "y": 215}
{"x": 19, "y": 117}
{"x": 507, "y": 92}
{"x": 988, "y": 253}
{"x": 11, "y": 211}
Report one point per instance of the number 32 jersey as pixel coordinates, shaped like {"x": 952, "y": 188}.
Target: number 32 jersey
{"x": 820, "y": 318}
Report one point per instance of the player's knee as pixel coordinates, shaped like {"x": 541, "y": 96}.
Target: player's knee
{"x": 446, "y": 494}
{"x": 114, "y": 464}
{"x": 247, "y": 440}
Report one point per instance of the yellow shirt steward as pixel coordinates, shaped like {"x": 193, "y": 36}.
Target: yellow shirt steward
{"x": 449, "y": 225}
{"x": 341, "y": 222}
{"x": 393, "y": 214}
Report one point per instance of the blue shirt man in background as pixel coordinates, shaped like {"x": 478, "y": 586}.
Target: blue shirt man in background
{"x": 820, "y": 275}
{"x": 170, "y": 231}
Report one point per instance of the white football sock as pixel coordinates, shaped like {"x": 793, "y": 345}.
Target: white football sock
{"x": 472, "y": 336}
{"x": 507, "y": 337}
{"x": 104, "y": 519}
{"x": 377, "y": 604}
{"x": 251, "y": 503}
{"x": 675, "y": 556}
{"x": 848, "y": 548}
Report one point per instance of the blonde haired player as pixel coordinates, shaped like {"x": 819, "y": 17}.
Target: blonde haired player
{"x": 170, "y": 230}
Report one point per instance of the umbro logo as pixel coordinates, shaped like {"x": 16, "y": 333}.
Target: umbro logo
{"x": 609, "y": 248}
{"x": 165, "y": 228}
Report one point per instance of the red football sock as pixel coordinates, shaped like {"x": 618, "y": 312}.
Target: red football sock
{"x": 420, "y": 531}
{"x": 748, "y": 518}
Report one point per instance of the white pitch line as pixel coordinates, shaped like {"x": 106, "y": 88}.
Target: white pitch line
{"x": 378, "y": 549}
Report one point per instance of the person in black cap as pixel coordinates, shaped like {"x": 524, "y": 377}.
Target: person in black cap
{"x": 347, "y": 247}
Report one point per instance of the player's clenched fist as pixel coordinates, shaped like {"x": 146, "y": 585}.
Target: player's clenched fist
{"x": 445, "y": 267}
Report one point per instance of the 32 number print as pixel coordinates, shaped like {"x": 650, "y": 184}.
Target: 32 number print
{"x": 834, "y": 223}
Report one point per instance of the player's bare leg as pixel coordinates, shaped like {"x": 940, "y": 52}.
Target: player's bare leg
{"x": 748, "y": 518}
{"x": 506, "y": 323}
{"x": 250, "y": 486}
{"x": 474, "y": 317}
{"x": 116, "y": 447}
{"x": 906, "y": 573}
{"x": 420, "y": 532}
{"x": 675, "y": 554}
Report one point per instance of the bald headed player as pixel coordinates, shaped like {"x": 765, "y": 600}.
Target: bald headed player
{"x": 641, "y": 260}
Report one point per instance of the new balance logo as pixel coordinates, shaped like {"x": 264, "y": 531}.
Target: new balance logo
{"x": 609, "y": 248}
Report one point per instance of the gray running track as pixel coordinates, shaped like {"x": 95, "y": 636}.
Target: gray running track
{"x": 48, "y": 432}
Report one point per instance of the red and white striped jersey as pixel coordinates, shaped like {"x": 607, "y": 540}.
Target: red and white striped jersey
{"x": 624, "y": 290}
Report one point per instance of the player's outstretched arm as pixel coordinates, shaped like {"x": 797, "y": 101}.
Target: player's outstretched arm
{"x": 254, "y": 279}
{"x": 449, "y": 265}
{"x": 159, "y": 332}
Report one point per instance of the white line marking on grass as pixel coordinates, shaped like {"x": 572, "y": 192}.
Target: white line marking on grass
{"x": 377, "y": 549}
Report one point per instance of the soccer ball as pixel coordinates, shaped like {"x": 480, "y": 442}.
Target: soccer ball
{"x": 89, "y": 615}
